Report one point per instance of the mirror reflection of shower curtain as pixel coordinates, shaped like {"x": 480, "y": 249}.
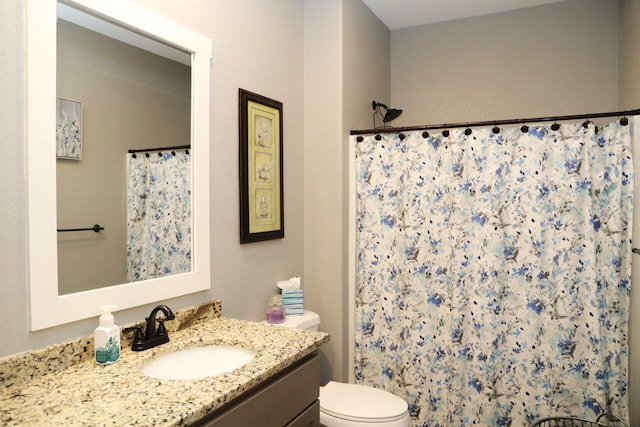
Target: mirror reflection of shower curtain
{"x": 158, "y": 215}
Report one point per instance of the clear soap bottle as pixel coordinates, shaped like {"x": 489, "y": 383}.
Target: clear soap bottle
{"x": 107, "y": 338}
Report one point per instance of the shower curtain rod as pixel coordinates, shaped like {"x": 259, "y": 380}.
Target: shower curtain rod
{"x": 175, "y": 147}
{"x": 496, "y": 122}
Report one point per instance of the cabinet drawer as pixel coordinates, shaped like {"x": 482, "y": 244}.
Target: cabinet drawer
{"x": 275, "y": 404}
{"x": 309, "y": 418}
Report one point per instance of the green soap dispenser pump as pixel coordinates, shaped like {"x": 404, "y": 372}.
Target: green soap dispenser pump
{"x": 107, "y": 338}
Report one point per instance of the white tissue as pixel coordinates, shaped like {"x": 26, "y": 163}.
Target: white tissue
{"x": 293, "y": 284}
{"x": 284, "y": 285}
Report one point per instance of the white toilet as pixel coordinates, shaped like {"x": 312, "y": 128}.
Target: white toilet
{"x": 353, "y": 405}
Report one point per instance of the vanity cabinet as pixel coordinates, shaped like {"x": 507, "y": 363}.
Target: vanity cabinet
{"x": 288, "y": 400}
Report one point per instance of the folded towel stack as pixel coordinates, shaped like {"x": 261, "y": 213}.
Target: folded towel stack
{"x": 293, "y": 301}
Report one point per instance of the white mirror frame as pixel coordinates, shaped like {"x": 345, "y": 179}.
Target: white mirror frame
{"x": 47, "y": 308}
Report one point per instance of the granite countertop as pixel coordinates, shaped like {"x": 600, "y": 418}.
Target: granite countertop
{"x": 80, "y": 392}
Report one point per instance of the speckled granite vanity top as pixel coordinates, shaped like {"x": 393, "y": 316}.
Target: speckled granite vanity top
{"x": 62, "y": 386}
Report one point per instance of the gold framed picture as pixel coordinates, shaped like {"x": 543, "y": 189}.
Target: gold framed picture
{"x": 261, "y": 183}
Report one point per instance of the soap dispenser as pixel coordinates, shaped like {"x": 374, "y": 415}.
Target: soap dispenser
{"x": 107, "y": 338}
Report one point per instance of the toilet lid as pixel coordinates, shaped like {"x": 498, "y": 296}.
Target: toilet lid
{"x": 360, "y": 403}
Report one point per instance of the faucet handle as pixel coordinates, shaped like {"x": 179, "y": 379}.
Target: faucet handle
{"x": 138, "y": 337}
{"x": 162, "y": 330}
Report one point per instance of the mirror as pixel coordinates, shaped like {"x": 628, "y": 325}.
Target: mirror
{"x": 140, "y": 200}
{"x": 48, "y": 306}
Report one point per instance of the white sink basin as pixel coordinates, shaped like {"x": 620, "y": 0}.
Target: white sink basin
{"x": 198, "y": 362}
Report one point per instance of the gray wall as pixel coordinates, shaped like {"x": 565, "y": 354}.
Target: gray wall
{"x": 13, "y": 301}
{"x": 560, "y": 58}
{"x": 346, "y": 65}
{"x": 629, "y": 50}
{"x": 322, "y": 163}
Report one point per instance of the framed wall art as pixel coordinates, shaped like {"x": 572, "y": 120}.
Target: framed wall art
{"x": 68, "y": 129}
{"x": 261, "y": 184}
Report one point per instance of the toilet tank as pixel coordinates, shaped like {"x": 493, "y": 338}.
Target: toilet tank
{"x": 309, "y": 321}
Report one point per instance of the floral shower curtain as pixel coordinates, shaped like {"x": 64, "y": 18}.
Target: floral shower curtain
{"x": 493, "y": 272}
{"x": 158, "y": 215}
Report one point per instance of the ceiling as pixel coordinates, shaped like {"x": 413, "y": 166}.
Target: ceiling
{"x": 409, "y": 13}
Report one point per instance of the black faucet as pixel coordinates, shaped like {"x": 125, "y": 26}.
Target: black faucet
{"x": 152, "y": 337}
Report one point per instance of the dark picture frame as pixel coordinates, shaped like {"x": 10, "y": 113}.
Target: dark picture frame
{"x": 261, "y": 174}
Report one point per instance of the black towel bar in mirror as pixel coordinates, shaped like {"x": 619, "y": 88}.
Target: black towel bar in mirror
{"x": 95, "y": 228}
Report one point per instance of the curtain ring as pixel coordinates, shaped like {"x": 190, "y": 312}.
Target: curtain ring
{"x": 555, "y": 126}
{"x": 495, "y": 130}
{"x": 468, "y": 130}
{"x": 401, "y": 136}
{"x": 624, "y": 121}
{"x": 445, "y": 133}
{"x": 359, "y": 138}
{"x": 378, "y": 137}
{"x": 524, "y": 128}
{"x": 425, "y": 134}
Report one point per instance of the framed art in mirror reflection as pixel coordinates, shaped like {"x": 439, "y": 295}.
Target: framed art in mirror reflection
{"x": 68, "y": 129}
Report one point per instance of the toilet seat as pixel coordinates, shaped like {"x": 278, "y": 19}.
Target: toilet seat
{"x": 358, "y": 403}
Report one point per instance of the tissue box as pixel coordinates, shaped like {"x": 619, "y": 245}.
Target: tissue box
{"x": 293, "y": 301}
